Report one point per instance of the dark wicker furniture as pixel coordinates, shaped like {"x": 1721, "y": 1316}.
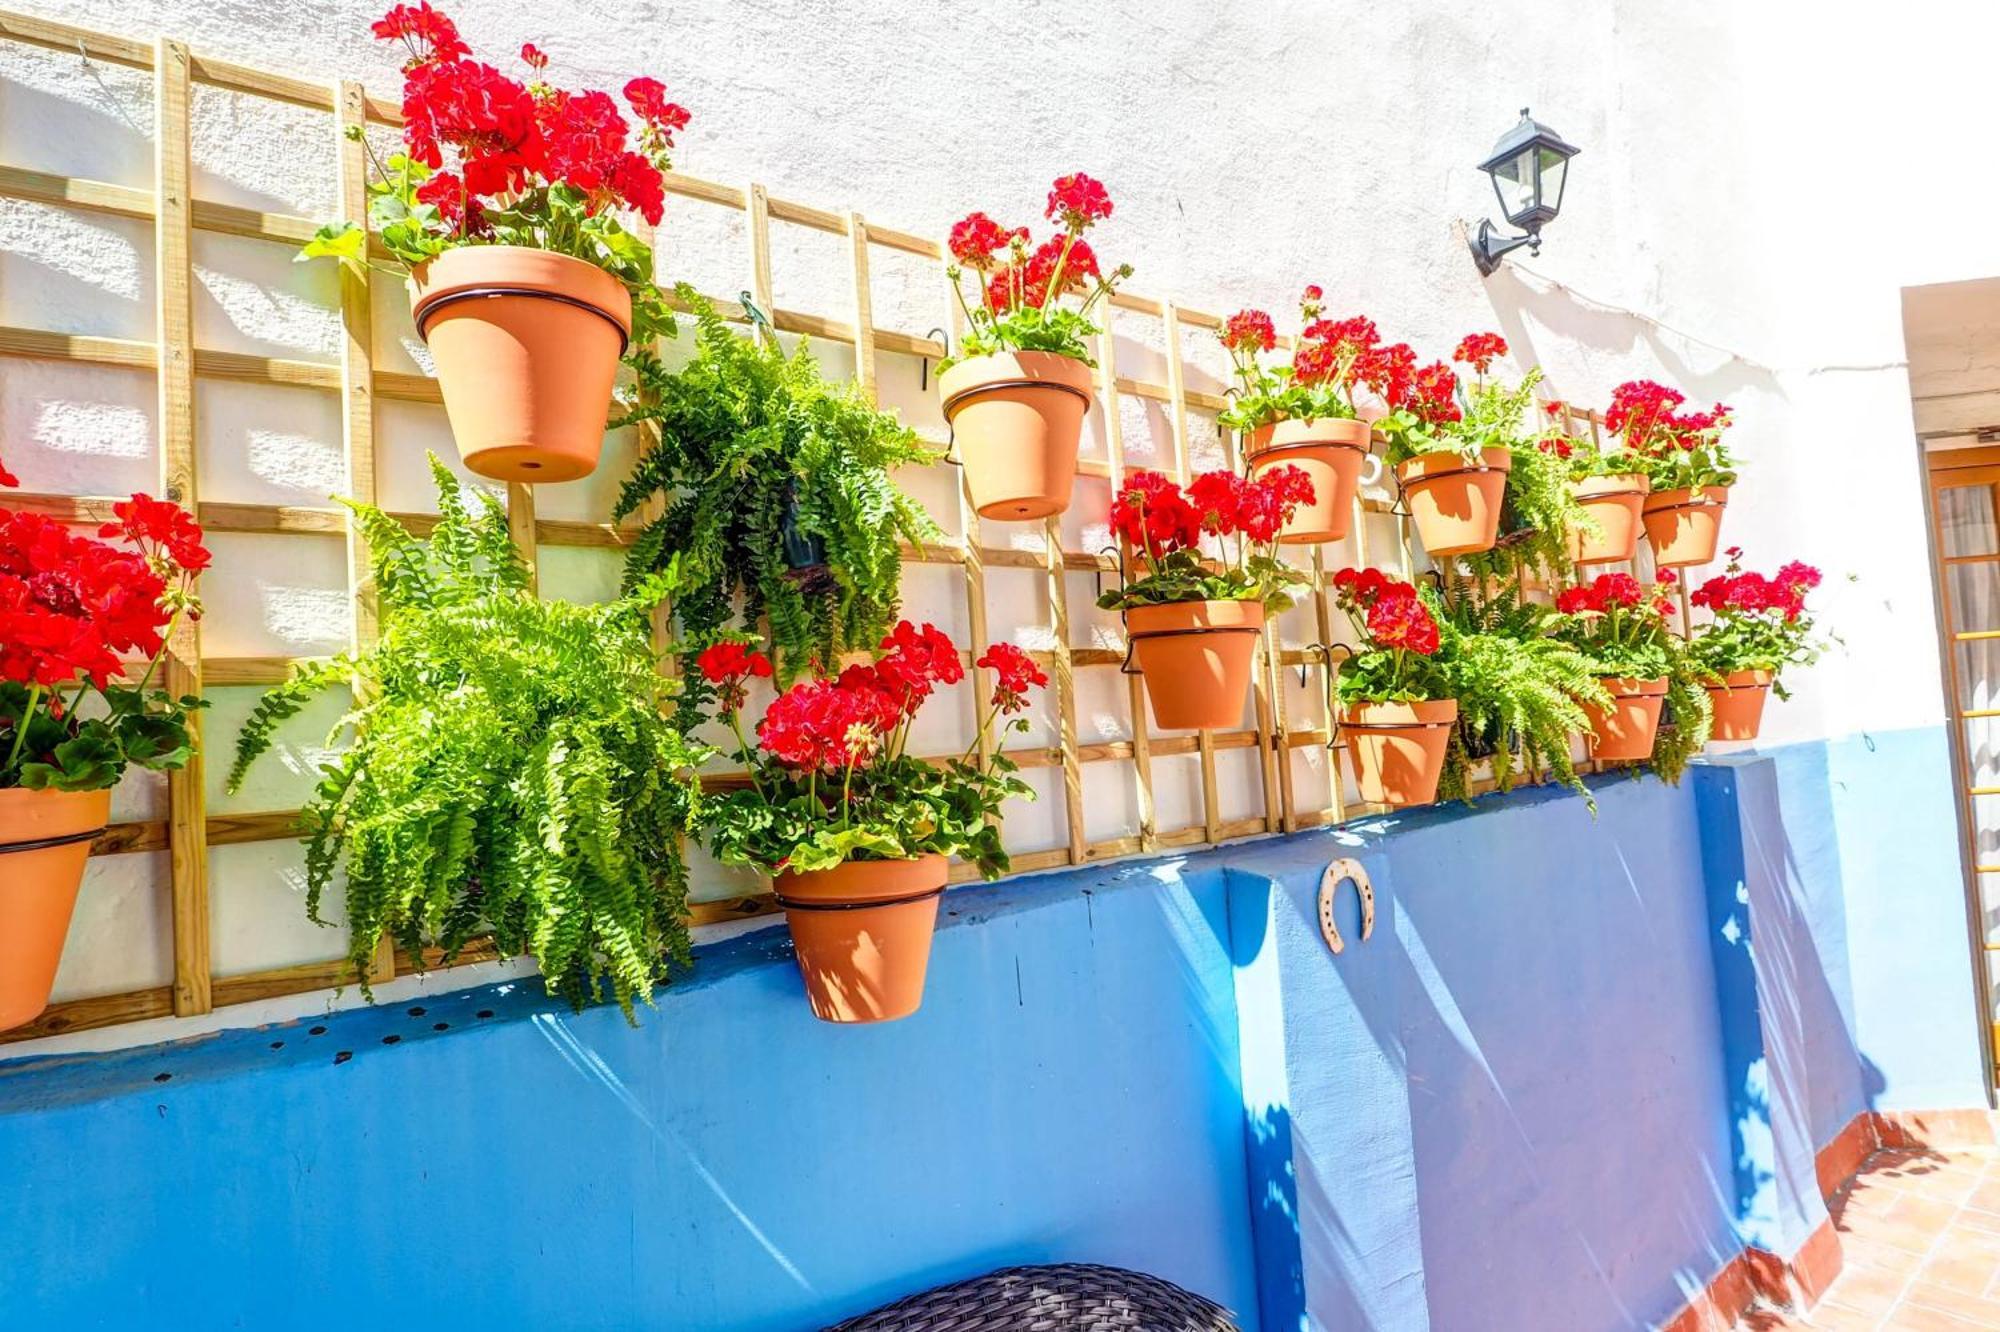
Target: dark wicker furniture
{"x": 1065, "y": 1297}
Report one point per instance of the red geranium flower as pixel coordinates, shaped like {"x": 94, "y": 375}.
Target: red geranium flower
{"x": 1151, "y": 514}
{"x": 1018, "y": 674}
{"x": 1077, "y": 201}
{"x": 7, "y": 478}
{"x": 1480, "y": 350}
{"x": 533, "y": 57}
{"x": 915, "y": 661}
{"x": 977, "y": 240}
{"x": 1398, "y": 618}
{"x": 156, "y": 524}
{"x": 429, "y": 35}
{"x": 1251, "y": 331}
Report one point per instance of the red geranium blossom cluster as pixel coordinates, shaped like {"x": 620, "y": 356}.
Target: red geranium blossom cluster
{"x": 500, "y": 137}
{"x": 728, "y": 665}
{"x": 843, "y": 722}
{"x": 1017, "y": 674}
{"x": 1392, "y": 613}
{"x": 69, "y": 606}
{"x": 1754, "y": 594}
{"x": 1250, "y": 331}
{"x": 1647, "y": 415}
{"x": 1616, "y": 592}
{"x": 1480, "y": 350}
{"x": 1154, "y": 515}
{"x": 1020, "y": 275}
{"x": 1338, "y": 352}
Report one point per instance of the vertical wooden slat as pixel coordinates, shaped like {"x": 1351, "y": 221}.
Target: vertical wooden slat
{"x": 975, "y": 564}
{"x": 1267, "y": 691}
{"x": 1062, "y": 679}
{"x": 521, "y": 527}
{"x": 864, "y": 307}
{"x": 1211, "y": 815}
{"x": 357, "y": 395}
{"x": 187, "y": 814}
{"x": 1135, "y": 685}
{"x": 757, "y": 225}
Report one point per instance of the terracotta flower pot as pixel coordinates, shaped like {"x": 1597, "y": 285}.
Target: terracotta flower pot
{"x": 1615, "y": 502}
{"x": 1398, "y": 748}
{"x": 526, "y": 344}
{"x": 1683, "y": 526}
{"x": 1196, "y": 658}
{"x": 1331, "y": 454}
{"x": 1739, "y": 704}
{"x": 863, "y": 934}
{"x": 1626, "y": 729}
{"x": 1456, "y": 504}
{"x": 45, "y": 839}
{"x": 1016, "y": 418}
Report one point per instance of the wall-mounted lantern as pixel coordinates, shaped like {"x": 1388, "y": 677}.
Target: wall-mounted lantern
{"x": 1528, "y": 166}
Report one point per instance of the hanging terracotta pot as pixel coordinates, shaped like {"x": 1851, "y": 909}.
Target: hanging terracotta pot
{"x": 1739, "y": 704}
{"x": 1398, "y": 748}
{"x": 862, "y": 931}
{"x": 1625, "y": 731}
{"x": 45, "y": 839}
{"x": 526, "y": 344}
{"x": 1015, "y": 419}
{"x": 1683, "y": 526}
{"x": 1331, "y": 453}
{"x": 1456, "y": 504}
{"x": 1196, "y": 657}
{"x": 1615, "y": 502}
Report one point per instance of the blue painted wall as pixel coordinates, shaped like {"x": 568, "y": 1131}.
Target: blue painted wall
{"x": 1576, "y": 1067}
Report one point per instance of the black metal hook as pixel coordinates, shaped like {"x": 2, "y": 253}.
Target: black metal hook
{"x": 1117, "y": 553}
{"x": 758, "y": 319}
{"x": 924, "y": 362}
{"x": 1327, "y": 653}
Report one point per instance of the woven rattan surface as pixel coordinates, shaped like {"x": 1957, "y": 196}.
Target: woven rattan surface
{"x": 1067, "y": 1297}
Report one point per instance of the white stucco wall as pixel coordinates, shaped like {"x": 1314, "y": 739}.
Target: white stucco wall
{"x": 1748, "y": 204}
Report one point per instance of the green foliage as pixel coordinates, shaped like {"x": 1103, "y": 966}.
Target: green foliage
{"x": 1184, "y": 575}
{"x": 752, "y": 443}
{"x": 1686, "y": 719}
{"x": 1540, "y": 511}
{"x": 553, "y": 217}
{"x": 513, "y": 768}
{"x": 1491, "y": 416}
{"x": 895, "y": 808}
{"x": 1520, "y": 690}
{"x": 1057, "y": 329}
{"x": 90, "y": 750}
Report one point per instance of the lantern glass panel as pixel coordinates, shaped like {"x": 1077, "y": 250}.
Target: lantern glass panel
{"x": 1514, "y": 183}
{"x": 1554, "y": 167}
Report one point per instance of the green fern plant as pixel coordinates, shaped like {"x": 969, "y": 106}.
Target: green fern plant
{"x": 1687, "y": 717}
{"x": 1520, "y": 691}
{"x": 756, "y": 453}
{"x": 513, "y": 768}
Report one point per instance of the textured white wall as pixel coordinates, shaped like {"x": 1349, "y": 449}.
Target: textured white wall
{"x": 1746, "y": 208}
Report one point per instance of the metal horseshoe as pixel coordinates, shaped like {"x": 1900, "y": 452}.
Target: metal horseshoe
{"x": 1329, "y": 887}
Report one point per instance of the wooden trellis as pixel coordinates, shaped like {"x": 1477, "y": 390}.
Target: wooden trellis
{"x": 189, "y": 828}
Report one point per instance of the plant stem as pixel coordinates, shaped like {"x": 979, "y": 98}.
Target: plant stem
{"x": 21, "y": 735}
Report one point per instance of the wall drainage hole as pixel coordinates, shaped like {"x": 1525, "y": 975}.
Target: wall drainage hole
{"x": 277, "y": 1045}
{"x": 342, "y": 1056}
{"x": 163, "y": 1077}
{"x": 416, "y": 1012}
{"x": 316, "y": 1031}
{"x": 440, "y": 1026}
{"x": 484, "y": 1012}
{"x": 391, "y": 1040}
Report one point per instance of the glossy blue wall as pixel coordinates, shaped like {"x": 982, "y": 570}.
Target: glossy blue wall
{"x": 1579, "y": 1064}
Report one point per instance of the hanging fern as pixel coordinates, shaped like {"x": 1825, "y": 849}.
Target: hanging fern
{"x": 513, "y": 768}
{"x": 1520, "y": 692}
{"x": 756, "y": 447}
{"x": 1686, "y": 719}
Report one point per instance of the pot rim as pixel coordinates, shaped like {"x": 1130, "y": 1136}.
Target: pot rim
{"x": 1735, "y": 681}
{"x": 1710, "y": 497}
{"x": 1637, "y": 686}
{"x": 1420, "y": 468}
{"x": 58, "y": 818}
{"x": 1425, "y": 714}
{"x": 1195, "y": 612}
{"x": 914, "y": 879}
{"x": 610, "y": 299}
{"x": 1014, "y": 369}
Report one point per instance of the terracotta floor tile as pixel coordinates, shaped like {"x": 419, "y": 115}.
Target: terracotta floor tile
{"x": 1856, "y": 1252}
{"x": 1964, "y": 1261}
{"x": 1912, "y": 1318}
{"x": 1866, "y": 1290}
{"x": 1930, "y": 1295}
